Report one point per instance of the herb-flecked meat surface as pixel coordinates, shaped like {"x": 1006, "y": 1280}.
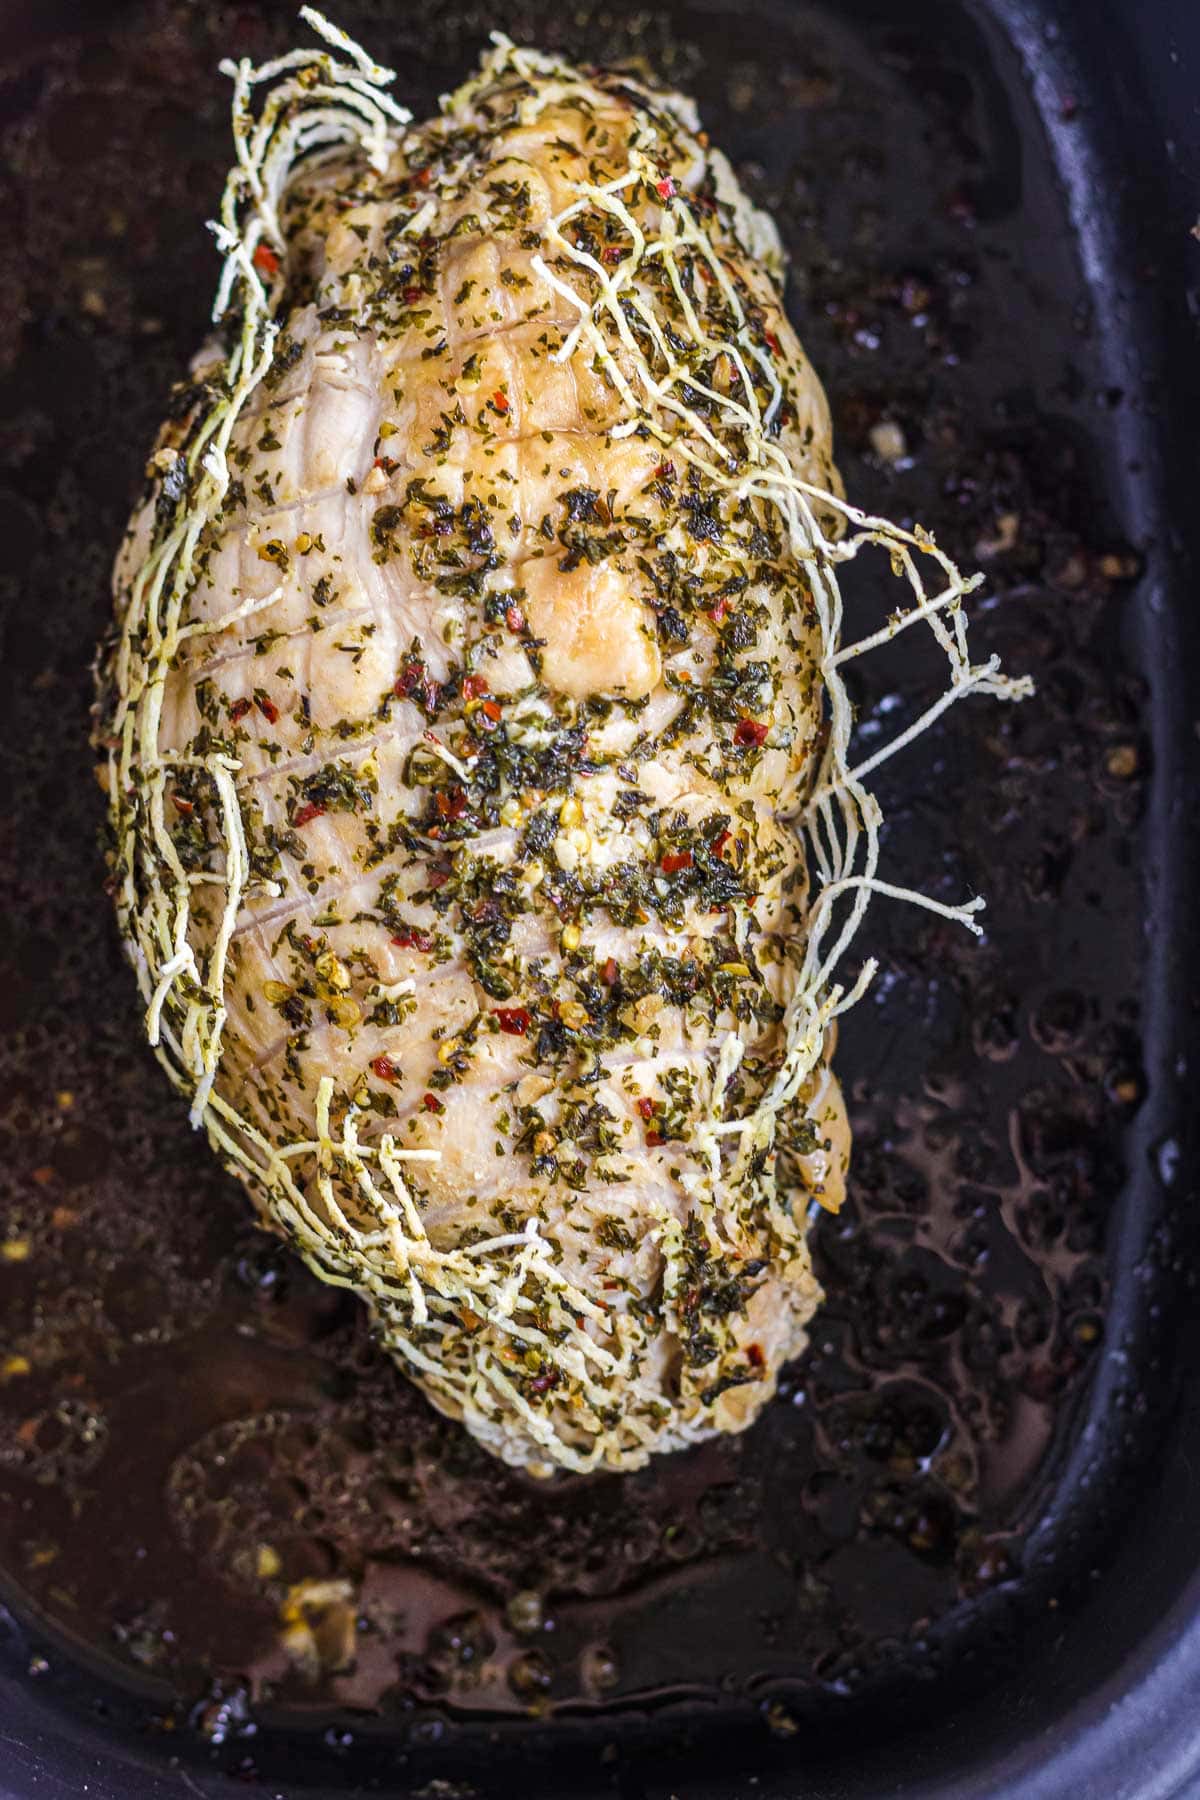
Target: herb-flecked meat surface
{"x": 514, "y": 698}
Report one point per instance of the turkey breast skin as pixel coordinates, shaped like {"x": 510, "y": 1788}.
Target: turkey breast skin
{"x": 518, "y": 692}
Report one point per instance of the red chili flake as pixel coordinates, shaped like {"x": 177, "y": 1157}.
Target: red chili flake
{"x": 541, "y": 1384}
{"x": 473, "y": 686}
{"x": 647, "y": 1107}
{"x": 431, "y": 1103}
{"x": 239, "y": 709}
{"x": 307, "y": 813}
{"x": 676, "y": 860}
{"x": 385, "y": 1068}
{"x": 513, "y": 1019}
{"x": 452, "y": 803}
{"x": 491, "y": 712}
{"x": 772, "y": 342}
{"x": 438, "y": 877}
{"x": 611, "y": 253}
{"x": 754, "y": 1356}
{"x": 514, "y": 618}
{"x": 609, "y": 972}
{"x": 412, "y": 295}
{"x": 265, "y": 259}
{"x": 665, "y": 472}
{"x": 720, "y": 608}
{"x": 654, "y": 1139}
{"x": 411, "y": 937}
{"x": 665, "y": 188}
{"x": 719, "y": 843}
{"x": 183, "y": 806}
{"x": 500, "y": 401}
{"x": 421, "y": 177}
{"x": 749, "y": 731}
{"x": 414, "y": 682}
{"x": 267, "y": 708}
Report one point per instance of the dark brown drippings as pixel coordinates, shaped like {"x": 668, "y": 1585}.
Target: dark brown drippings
{"x": 189, "y": 1425}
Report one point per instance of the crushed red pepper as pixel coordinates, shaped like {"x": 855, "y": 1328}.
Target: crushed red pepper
{"x": 513, "y": 1019}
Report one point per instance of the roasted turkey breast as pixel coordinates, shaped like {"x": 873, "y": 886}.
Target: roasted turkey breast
{"x": 474, "y": 639}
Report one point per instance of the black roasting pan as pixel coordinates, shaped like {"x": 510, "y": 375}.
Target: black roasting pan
{"x": 989, "y": 205}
